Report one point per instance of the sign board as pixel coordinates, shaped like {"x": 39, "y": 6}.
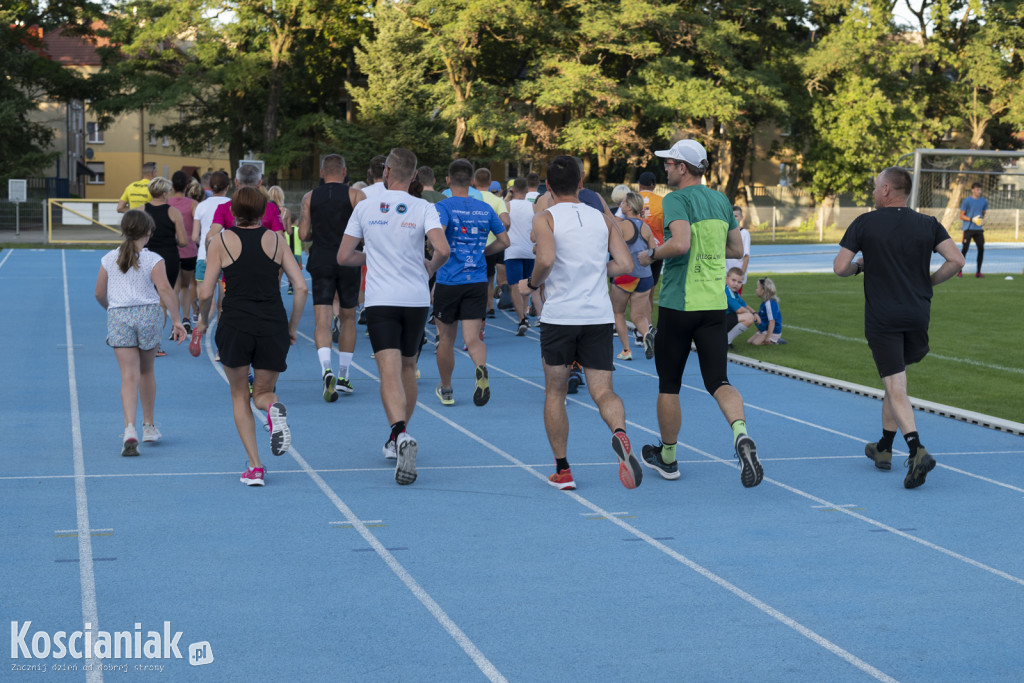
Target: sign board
{"x": 252, "y": 162}
{"x": 17, "y": 191}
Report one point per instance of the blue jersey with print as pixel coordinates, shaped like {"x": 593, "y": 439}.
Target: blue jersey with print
{"x": 770, "y": 311}
{"x": 734, "y": 301}
{"x": 973, "y": 207}
{"x": 467, "y": 223}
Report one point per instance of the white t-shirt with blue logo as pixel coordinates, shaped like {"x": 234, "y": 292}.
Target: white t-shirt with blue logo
{"x": 467, "y": 222}
{"x": 393, "y": 226}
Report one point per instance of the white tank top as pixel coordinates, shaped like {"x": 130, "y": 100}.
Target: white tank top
{"x": 577, "y": 288}
{"x": 520, "y": 214}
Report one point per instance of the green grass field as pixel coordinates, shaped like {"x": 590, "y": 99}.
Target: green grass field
{"x": 977, "y": 355}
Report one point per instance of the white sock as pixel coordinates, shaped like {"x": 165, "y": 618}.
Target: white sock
{"x": 736, "y": 331}
{"x": 324, "y": 354}
{"x": 344, "y": 360}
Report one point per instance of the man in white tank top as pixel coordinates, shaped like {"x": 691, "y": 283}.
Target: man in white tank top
{"x": 573, "y": 244}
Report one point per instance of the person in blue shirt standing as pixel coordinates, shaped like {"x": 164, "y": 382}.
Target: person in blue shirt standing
{"x": 972, "y": 213}
{"x": 461, "y": 291}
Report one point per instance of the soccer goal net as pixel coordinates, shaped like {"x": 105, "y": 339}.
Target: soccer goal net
{"x": 943, "y": 178}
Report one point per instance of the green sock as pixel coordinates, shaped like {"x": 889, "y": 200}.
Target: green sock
{"x": 668, "y": 453}
{"x": 739, "y": 428}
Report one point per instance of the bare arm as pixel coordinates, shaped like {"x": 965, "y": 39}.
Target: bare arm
{"x": 294, "y": 274}
{"x": 677, "y": 245}
{"x": 167, "y": 296}
{"x": 442, "y": 250}
{"x": 622, "y": 260}
{"x": 179, "y": 226}
{"x": 347, "y": 254}
{"x": 214, "y": 260}
{"x": 733, "y": 244}
{"x": 101, "y": 288}
{"x": 844, "y": 265}
{"x": 954, "y": 261}
{"x": 543, "y": 235}
{"x": 500, "y": 243}
{"x": 305, "y": 224}
{"x": 122, "y": 206}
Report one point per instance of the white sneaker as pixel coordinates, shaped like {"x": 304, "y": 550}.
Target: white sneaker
{"x": 280, "y": 434}
{"x": 390, "y": 450}
{"x": 150, "y": 434}
{"x": 405, "y": 469}
{"x": 130, "y": 442}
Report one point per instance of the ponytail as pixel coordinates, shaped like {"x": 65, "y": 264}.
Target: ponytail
{"x": 135, "y": 225}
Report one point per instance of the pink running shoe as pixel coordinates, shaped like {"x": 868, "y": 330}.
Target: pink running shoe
{"x": 195, "y": 347}
{"x": 253, "y": 477}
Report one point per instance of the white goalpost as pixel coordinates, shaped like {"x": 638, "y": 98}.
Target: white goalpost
{"x": 942, "y": 179}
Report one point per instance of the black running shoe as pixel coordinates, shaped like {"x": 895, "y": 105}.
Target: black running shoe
{"x": 918, "y": 466}
{"x": 751, "y": 473}
{"x": 335, "y": 330}
{"x": 524, "y": 325}
{"x": 482, "y": 392}
{"x": 882, "y": 459}
{"x": 575, "y": 380}
{"x": 652, "y": 458}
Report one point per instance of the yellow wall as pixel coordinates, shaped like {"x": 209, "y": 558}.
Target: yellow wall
{"x": 127, "y": 146}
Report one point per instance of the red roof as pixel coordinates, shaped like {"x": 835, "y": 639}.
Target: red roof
{"x": 72, "y": 50}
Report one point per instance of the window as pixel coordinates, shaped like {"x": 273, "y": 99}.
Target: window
{"x": 93, "y": 133}
{"x": 99, "y": 168}
{"x": 167, "y": 141}
{"x": 517, "y": 169}
{"x": 152, "y": 134}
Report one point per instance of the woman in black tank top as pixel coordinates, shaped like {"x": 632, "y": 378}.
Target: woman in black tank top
{"x": 168, "y": 233}
{"x": 254, "y": 328}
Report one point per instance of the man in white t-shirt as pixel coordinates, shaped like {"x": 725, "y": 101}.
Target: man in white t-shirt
{"x": 741, "y": 263}
{"x": 532, "y": 187}
{"x": 392, "y": 226}
{"x": 203, "y": 221}
{"x": 577, "y": 322}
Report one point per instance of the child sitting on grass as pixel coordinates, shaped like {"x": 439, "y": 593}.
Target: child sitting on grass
{"x": 739, "y": 315}
{"x": 769, "y": 326}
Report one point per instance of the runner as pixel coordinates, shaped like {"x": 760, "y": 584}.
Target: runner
{"x": 324, "y": 215}
{"x": 577, "y": 321}
{"x": 393, "y": 226}
{"x": 700, "y": 232}
{"x": 254, "y": 329}
{"x": 461, "y": 291}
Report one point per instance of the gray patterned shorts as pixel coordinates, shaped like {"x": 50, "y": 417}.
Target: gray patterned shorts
{"x": 135, "y": 326}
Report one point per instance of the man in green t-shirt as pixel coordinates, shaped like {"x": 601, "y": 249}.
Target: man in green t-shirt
{"x": 136, "y": 195}
{"x": 700, "y": 231}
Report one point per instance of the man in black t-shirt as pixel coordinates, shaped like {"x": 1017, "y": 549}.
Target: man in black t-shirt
{"x": 896, "y": 245}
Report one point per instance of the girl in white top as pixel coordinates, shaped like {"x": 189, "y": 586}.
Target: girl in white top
{"x": 131, "y": 284}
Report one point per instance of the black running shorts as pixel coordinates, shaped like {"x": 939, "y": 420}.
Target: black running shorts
{"x": 396, "y": 327}
{"x": 589, "y": 345}
{"x": 341, "y": 280}
{"x": 894, "y": 351}
{"x": 460, "y": 302}
{"x": 676, "y": 330}
{"x": 240, "y": 349}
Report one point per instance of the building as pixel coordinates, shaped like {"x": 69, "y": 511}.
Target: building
{"x": 97, "y": 162}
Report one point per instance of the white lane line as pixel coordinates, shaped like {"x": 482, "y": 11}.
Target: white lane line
{"x": 9, "y": 252}
{"x": 945, "y": 551}
{"x": 464, "y": 642}
{"x": 770, "y": 611}
{"x": 706, "y": 573}
{"x": 86, "y": 576}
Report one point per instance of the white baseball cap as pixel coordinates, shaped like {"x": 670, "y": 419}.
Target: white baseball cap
{"x": 690, "y": 151}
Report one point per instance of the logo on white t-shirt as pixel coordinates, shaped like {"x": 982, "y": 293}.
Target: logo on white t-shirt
{"x": 401, "y": 208}
{"x": 384, "y": 207}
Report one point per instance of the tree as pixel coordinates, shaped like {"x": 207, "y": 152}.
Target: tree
{"x": 868, "y": 101}
{"x": 30, "y": 77}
